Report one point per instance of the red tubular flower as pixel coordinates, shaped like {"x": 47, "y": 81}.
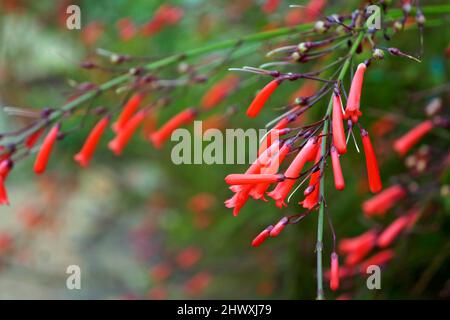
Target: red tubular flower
{"x": 334, "y": 276}
{"x": 121, "y": 140}
{"x": 384, "y": 125}
{"x": 392, "y": 231}
{"x": 310, "y": 13}
{"x": 312, "y": 196}
{"x": 128, "y": 110}
{"x": 412, "y": 137}
{"x": 378, "y": 259}
{"x": 275, "y": 231}
{"x": 127, "y": 29}
{"x": 46, "y": 148}
{"x": 373, "y": 173}
{"x": 413, "y": 216}
{"x": 161, "y": 271}
{"x": 314, "y": 8}
{"x": 238, "y": 200}
{"x": 219, "y": 91}
{"x": 84, "y": 156}
{"x": 339, "y": 182}
{"x": 282, "y": 123}
{"x": 353, "y": 102}
{"x": 198, "y": 283}
{"x": 395, "y": 228}
{"x": 343, "y": 272}
{"x": 351, "y": 244}
{"x": 282, "y": 189}
{"x": 354, "y": 257}
{"x": 5, "y": 167}
{"x": 263, "y": 160}
{"x": 261, "y": 98}
{"x": 184, "y": 117}
{"x": 3, "y": 194}
{"x": 188, "y": 257}
{"x": 92, "y": 32}
{"x": 262, "y": 236}
{"x": 164, "y": 15}
{"x": 270, "y": 5}
{"x": 382, "y": 202}
{"x": 153, "y": 26}
{"x": 358, "y": 247}
{"x": 338, "y": 125}
{"x": 272, "y": 136}
{"x": 31, "y": 140}
{"x": 260, "y": 189}
{"x": 242, "y": 192}
{"x": 277, "y": 158}
{"x": 170, "y": 14}
{"x": 253, "y": 178}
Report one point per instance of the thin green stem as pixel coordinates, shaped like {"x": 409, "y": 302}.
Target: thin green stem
{"x": 325, "y": 132}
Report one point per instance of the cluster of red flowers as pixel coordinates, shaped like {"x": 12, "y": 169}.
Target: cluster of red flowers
{"x": 133, "y": 115}
{"x": 129, "y": 120}
{"x": 265, "y": 169}
{"x": 310, "y": 144}
{"x": 357, "y": 249}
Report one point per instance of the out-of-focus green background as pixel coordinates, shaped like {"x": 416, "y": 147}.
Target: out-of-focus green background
{"x": 141, "y": 227}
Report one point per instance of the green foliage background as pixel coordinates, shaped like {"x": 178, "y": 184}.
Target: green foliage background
{"x": 124, "y": 215}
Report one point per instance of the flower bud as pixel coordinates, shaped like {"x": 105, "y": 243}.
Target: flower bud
{"x": 320, "y": 27}
{"x": 378, "y": 54}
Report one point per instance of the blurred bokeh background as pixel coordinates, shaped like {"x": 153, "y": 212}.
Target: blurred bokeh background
{"x": 141, "y": 227}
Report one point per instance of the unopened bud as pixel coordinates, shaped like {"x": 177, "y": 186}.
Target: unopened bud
{"x": 183, "y": 67}
{"x": 320, "y": 27}
{"x": 135, "y": 71}
{"x": 301, "y": 101}
{"x": 406, "y": 7}
{"x": 378, "y": 54}
{"x": 398, "y": 26}
{"x": 87, "y": 65}
{"x": 46, "y": 112}
{"x": 420, "y": 19}
{"x": 410, "y": 162}
{"x": 116, "y": 59}
{"x": 296, "y": 56}
{"x": 303, "y": 47}
{"x": 394, "y": 51}
{"x": 433, "y": 107}
{"x": 421, "y": 165}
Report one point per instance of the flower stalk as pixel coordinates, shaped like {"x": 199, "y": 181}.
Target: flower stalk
{"x": 325, "y": 133}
